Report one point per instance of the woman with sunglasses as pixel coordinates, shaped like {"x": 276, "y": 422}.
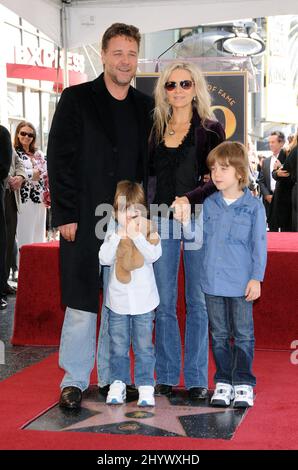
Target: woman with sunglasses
{"x": 32, "y": 216}
{"x": 184, "y": 132}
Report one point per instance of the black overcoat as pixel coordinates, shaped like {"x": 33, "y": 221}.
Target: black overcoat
{"x": 82, "y": 165}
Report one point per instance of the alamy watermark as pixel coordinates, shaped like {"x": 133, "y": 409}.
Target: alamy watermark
{"x": 2, "y": 352}
{"x": 163, "y": 218}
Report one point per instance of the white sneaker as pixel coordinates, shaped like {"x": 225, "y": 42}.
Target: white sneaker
{"x": 146, "y": 395}
{"x": 117, "y": 393}
{"x": 244, "y": 396}
{"x": 223, "y": 395}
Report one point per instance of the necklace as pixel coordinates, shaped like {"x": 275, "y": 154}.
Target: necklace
{"x": 171, "y": 131}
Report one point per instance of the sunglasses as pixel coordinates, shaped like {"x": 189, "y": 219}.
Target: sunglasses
{"x": 29, "y": 134}
{"x": 184, "y": 84}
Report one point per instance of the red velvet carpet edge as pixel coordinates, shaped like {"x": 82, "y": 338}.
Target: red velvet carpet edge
{"x": 270, "y": 424}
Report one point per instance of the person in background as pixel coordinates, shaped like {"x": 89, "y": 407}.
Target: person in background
{"x": 16, "y": 178}
{"x": 31, "y": 227}
{"x": 184, "y": 132}
{"x": 282, "y": 203}
{"x": 234, "y": 261}
{"x": 291, "y": 166}
{"x": 131, "y": 300}
{"x": 5, "y": 162}
{"x": 253, "y": 169}
{"x": 98, "y": 137}
{"x": 266, "y": 181}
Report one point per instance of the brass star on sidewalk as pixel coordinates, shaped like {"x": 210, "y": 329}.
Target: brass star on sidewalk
{"x": 131, "y": 418}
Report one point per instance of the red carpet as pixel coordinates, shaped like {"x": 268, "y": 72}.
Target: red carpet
{"x": 270, "y": 424}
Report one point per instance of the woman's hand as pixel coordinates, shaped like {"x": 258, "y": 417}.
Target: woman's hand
{"x": 182, "y": 208}
{"x": 282, "y": 173}
{"x": 15, "y": 182}
{"x": 36, "y": 174}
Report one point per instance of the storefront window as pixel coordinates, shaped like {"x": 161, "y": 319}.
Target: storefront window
{"x": 15, "y": 100}
{"x": 48, "y": 108}
{"x": 32, "y": 110}
{"x": 13, "y": 37}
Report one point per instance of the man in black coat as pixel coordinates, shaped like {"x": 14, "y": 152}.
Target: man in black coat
{"x": 5, "y": 161}
{"x": 266, "y": 180}
{"x": 98, "y": 137}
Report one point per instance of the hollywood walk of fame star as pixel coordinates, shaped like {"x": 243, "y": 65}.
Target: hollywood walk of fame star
{"x": 163, "y": 416}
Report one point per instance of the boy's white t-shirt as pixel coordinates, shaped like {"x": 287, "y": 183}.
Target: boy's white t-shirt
{"x": 229, "y": 201}
{"x": 140, "y": 295}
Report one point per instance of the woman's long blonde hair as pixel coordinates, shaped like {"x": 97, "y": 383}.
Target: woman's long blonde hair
{"x": 163, "y": 111}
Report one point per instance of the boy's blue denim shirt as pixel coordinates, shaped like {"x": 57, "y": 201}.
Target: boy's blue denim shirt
{"x": 234, "y": 246}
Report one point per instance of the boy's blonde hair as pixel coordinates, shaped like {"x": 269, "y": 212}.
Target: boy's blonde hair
{"x": 234, "y": 154}
{"x": 129, "y": 193}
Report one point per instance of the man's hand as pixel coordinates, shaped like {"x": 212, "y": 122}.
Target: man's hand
{"x": 268, "y": 198}
{"x": 68, "y": 231}
{"x": 253, "y": 290}
{"x": 182, "y": 208}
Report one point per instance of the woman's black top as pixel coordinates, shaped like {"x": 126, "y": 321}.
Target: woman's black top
{"x": 176, "y": 169}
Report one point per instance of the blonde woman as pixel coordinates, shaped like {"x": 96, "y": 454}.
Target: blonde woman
{"x": 184, "y": 132}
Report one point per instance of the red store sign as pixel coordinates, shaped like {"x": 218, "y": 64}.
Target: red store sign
{"x": 38, "y": 63}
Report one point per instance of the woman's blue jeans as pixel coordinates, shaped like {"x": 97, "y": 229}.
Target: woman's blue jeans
{"x": 167, "y": 333}
{"x": 231, "y": 317}
{"x": 125, "y": 330}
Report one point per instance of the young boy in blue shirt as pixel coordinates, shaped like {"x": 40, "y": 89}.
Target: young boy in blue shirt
{"x": 234, "y": 261}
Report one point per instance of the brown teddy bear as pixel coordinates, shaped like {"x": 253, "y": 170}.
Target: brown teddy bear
{"x": 128, "y": 256}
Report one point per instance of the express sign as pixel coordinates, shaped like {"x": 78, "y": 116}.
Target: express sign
{"x": 42, "y": 57}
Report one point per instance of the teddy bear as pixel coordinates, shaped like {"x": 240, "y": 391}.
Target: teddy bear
{"x": 128, "y": 256}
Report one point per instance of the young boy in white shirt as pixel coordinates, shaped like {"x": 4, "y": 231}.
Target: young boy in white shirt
{"x": 131, "y": 300}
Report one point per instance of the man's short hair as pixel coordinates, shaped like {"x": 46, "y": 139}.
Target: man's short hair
{"x": 120, "y": 29}
{"x": 280, "y": 136}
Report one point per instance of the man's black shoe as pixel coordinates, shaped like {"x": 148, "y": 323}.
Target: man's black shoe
{"x": 132, "y": 392}
{"x": 198, "y": 393}
{"x": 71, "y": 398}
{"x": 3, "y": 303}
{"x": 162, "y": 389}
{"x": 9, "y": 290}
{"x": 104, "y": 390}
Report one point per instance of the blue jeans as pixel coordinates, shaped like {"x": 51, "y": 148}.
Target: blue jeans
{"x": 103, "y": 350}
{"x": 231, "y": 317}
{"x": 77, "y": 347}
{"x": 137, "y": 330}
{"x": 78, "y": 342}
{"x": 167, "y": 333}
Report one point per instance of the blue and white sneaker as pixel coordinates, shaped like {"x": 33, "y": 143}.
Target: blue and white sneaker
{"x": 244, "y": 396}
{"x": 117, "y": 393}
{"x": 146, "y": 395}
{"x": 223, "y": 395}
